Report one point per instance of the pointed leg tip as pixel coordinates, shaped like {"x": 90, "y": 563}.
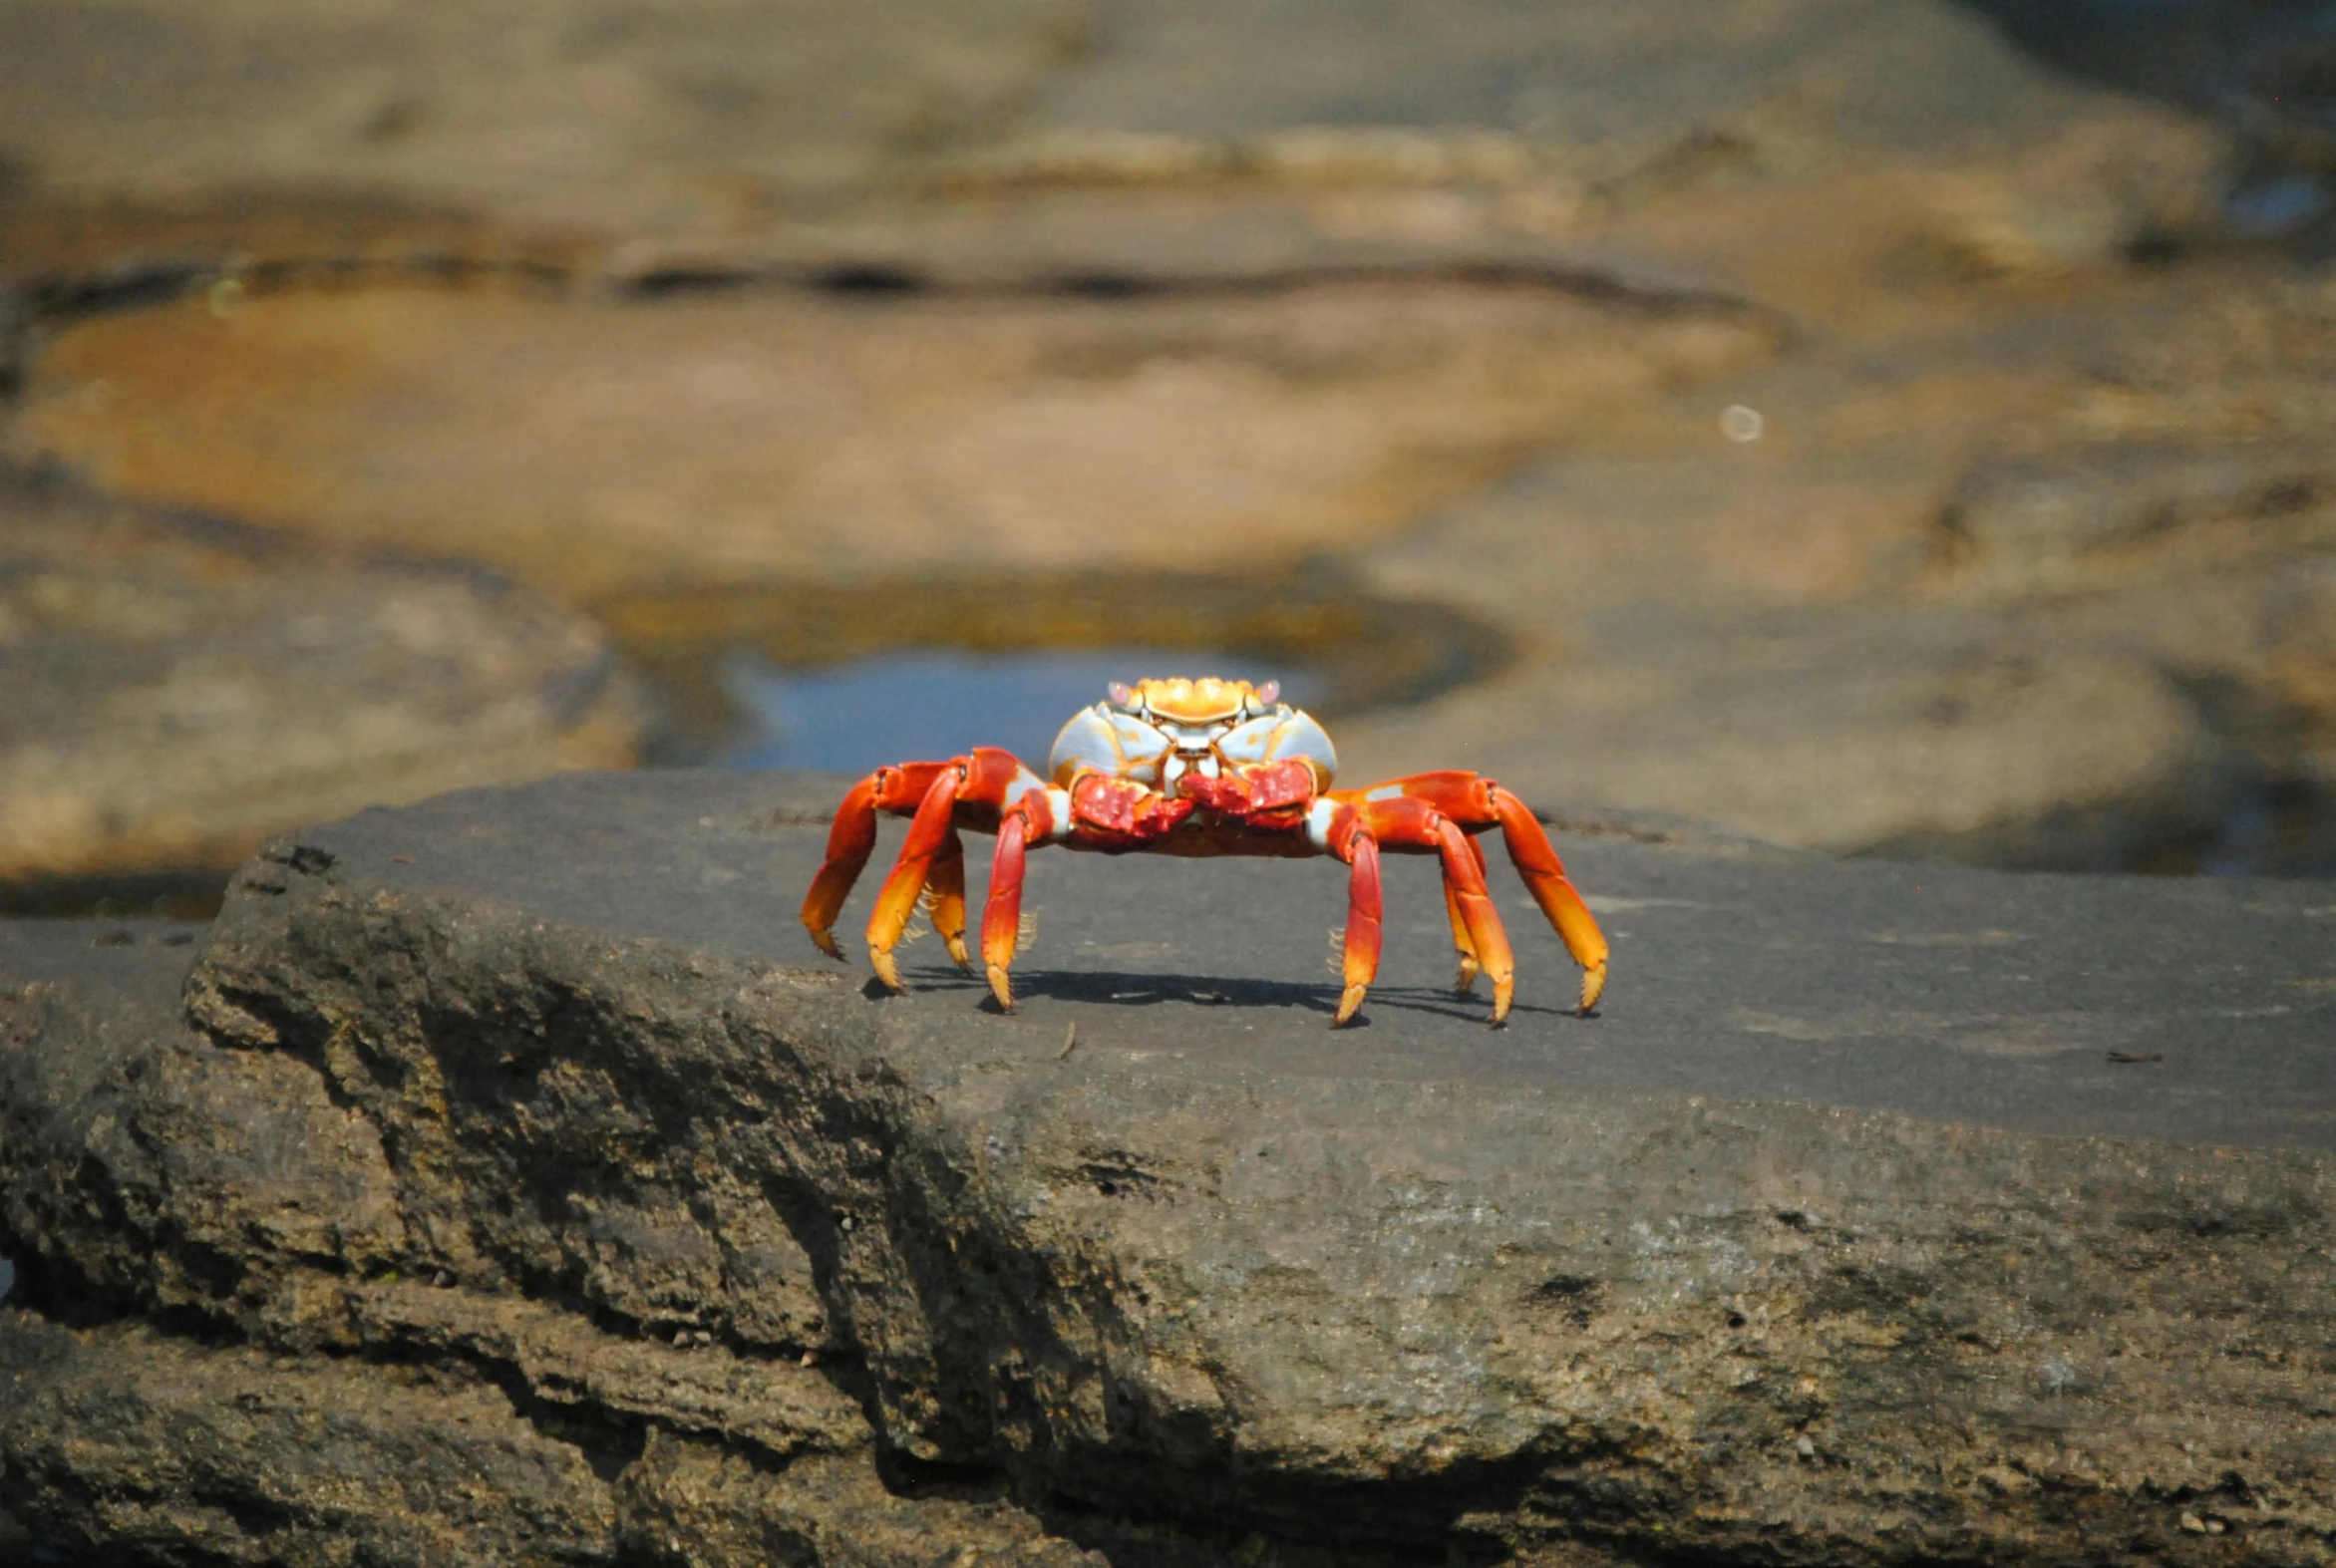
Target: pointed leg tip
{"x": 959, "y": 953}
{"x": 825, "y": 941}
{"x": 1350, "y": 1002}
{"x": 1466, "y": 983}
{"x": 889, "y": 973}
{"x": 1001, "y": 988}
{"x": 1503, "y": 993}
{"x": 1593, "y": 986}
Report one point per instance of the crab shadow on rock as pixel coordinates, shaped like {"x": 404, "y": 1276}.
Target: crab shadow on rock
{"x": 1136, "y": 989}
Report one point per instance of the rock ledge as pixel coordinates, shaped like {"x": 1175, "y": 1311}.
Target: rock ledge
{"x": 1886, "y": 1214}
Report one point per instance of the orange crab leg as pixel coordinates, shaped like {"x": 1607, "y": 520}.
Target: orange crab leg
{"x": 1001, "y": 917}
{"x": 1105, "y": 812}
{"x": 946, "y": 890}
{"x": 898, "y": 790}
{"x": 964, "y": 793}
{"x": 851, "y": 841}
{"x": 1359, "y": 962}
{"x": 929, "y": 834}
{"x": 1474, "y": 804}
{"x": 1464, "y": 882}
{"x": 1545, "y": 878}
{"x": 1469, "y": 966}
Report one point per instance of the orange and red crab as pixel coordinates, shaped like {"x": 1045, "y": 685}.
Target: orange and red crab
{"x": 1192, "y": 768}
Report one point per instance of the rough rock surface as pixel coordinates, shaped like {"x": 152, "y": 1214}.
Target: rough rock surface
{"x": 213, "y": 1356}
{"x": 1883, "y": 1215}
{"x": 173, "y": 688}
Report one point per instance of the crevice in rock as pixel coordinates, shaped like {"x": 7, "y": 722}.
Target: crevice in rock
{"x": 60, "y": 298}
{"x": 1395, "y": 1530}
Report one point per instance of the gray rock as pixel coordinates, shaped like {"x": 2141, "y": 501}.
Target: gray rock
{"x": 179, "y": 1454}
{"x": 289, "y": 1396}
{"x": 1884, "y": 1213}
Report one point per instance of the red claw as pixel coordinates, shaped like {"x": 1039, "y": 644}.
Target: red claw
{"x": 1119, "y": 814}
{"x": 1274, "y": 795}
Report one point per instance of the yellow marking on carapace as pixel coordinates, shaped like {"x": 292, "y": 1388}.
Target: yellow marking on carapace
{"x": 1195, "y": 702}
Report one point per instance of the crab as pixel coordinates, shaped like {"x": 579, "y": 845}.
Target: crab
{"x": 1195, "y": 768}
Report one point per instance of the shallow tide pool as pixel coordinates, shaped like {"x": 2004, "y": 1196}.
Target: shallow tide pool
{"x": 908, "y": 706}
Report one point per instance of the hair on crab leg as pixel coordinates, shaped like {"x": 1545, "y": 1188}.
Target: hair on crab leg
{"x": 944, "y": 895}
{"x": 928, "y": 831}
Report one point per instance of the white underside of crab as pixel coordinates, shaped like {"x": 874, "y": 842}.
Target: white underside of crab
{"x": 1156, "y": 751}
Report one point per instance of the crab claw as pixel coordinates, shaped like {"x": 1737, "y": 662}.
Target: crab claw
{"x": 1275, "y": 792}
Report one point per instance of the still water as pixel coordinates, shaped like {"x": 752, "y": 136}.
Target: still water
{"x": 906, "y": 707}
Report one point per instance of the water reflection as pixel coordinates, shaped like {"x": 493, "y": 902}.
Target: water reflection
{"x": 931, "y": 703}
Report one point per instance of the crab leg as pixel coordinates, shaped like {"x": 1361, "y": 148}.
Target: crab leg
{"x": 1001, "y": 916}
{"x": 1469, "y": 966}
{"x": 931, "y": 830}
{"x": 1463, "y": 884}
{"x": 1359, "y": 961}
{"x": 964, "y": 793}
{"x": 946, "y": 895}
{"x": 851, "y": 841}
{"x": 1545, "y": 877}
{"x": 1474, "y": 803}
{"x": 1097, "y": 812}
{"x": 1280, "y": 796}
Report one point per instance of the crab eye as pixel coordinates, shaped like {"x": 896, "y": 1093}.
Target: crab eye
{"x": 1267, "y": 695}
{"x": 1122, "y": 694}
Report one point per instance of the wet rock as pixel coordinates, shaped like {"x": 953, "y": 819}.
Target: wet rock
{"x": 175, "y": 689}
{"x": 1854, "y": 632}
{"x": 2264, "y": 67}
{"x": 12, "y": 341}
{"x": 1858, "y": 1161}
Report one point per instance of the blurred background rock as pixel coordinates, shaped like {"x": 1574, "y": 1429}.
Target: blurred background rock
{"x": 1892, "y": 426}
